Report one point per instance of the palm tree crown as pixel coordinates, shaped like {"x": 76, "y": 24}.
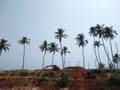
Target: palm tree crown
{"x": 65, "y": 50}
{"x": 53, "y": 48}
{"x": 3, "y": 45}
{"x": 60, "y": 34}
{"x": 23, "y": 42}
{"x": 97, "y": 44}
{"x": 93, "y": 32}
{"x": 81, "y": 40}
{"x": 109, "y": 33}
{"x": 44, "y": 46}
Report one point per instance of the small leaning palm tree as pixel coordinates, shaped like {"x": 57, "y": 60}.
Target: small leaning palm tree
{"x": 64, "y": 52}
{"x": 44, "y": 48}
{"x": 23, "y": 42}
{"x": 81, "y": 41}
{"x": 59, "y": 35}
{"x": 3, "y": 45}
{"x": 53, "y": 49}
{"x": 98, "y": 44}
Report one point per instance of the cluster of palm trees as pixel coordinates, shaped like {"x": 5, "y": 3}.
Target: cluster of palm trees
{"x": 103, "y": 33}
{"x": 100, "y": 33}
{"x": 53, "y": 47}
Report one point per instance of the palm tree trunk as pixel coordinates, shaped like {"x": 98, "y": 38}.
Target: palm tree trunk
{"x": 116, "y": 47}
{"x": 43, "y": 59}
{"x": 99, "y": 55}
{"x": 106, "y": 52}
{"x": 23, "y": 57}
{"x": 111, "y": 47}
{"x": 117, "y": 53}
{"x": 62, "y": 54}
{"x": 96, "y": 56}
{"x": 0, "y": 52}
{"x": 53, "y": 58}
{"x": 64, "y": 61}
{"x": 111, "y": 51}
{"x": 83, "y": 57}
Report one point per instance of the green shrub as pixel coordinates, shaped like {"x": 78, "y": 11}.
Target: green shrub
{"x": 64, "y": 82}
{"x": 37, "y": 74}
{"x": 24, "y": 73}
{"x": 49, "y": 74}
{"x": 113, "y": 81}
{"x": 32, "y": 73}
{"x": 2, "y": 74}
{"x": 40, "y": 80}
{"x": 12, "y": 74}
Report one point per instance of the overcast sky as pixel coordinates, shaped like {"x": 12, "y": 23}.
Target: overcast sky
{"x": 39, "y": 19}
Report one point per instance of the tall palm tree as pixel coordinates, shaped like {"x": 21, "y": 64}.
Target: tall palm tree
{"x": 98, "y": 44}
{"x": 64, "y": 52}
{"x": 53, "y": 48}
{"x": 3, "y": 45}
{"x": 100, "y": 30}
{"x": 44, "y": 48}
{"x": 109, "y": 33}
{"x": 59, "y": 35}
{"x": 81, "y": 41}
{"x": 23, "y": 42}
{"x": 93, "y": 32}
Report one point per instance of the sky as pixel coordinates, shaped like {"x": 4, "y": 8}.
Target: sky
{"x": 39, "y": 19}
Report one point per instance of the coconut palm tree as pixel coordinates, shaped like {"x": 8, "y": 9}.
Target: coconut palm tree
{"x": 93, "y": 32}
{"x": 64, "y": 52}
{"x": 98, "y": 44}
{"x": 116, "y": 59}
{"x": 24, "y": 41}
{"x": 44, "y": 48}
{"x": 59, "y": 35}
{"x": 81, "y": 41}
{"x": 52, "y": 49}
{"x": 3, "y": 45}
{"x": 101, "y": 33}
{"x": 109, "y": 33}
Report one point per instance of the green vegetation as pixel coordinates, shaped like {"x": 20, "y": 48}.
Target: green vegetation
{"x": 64, "y": 81}
{"x": 3, "y": 45}
{"x": 49, "y": 74}
{"x": 2, "y": 74}
{"x": 41, "y": 80}
{"x": 23, "y": 73}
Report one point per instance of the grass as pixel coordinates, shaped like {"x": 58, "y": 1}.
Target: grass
{"x": 49, "y": 74}
{"x": 41, "y": 80}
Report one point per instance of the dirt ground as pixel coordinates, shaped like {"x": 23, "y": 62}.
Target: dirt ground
{"x": 11, "y": 80}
